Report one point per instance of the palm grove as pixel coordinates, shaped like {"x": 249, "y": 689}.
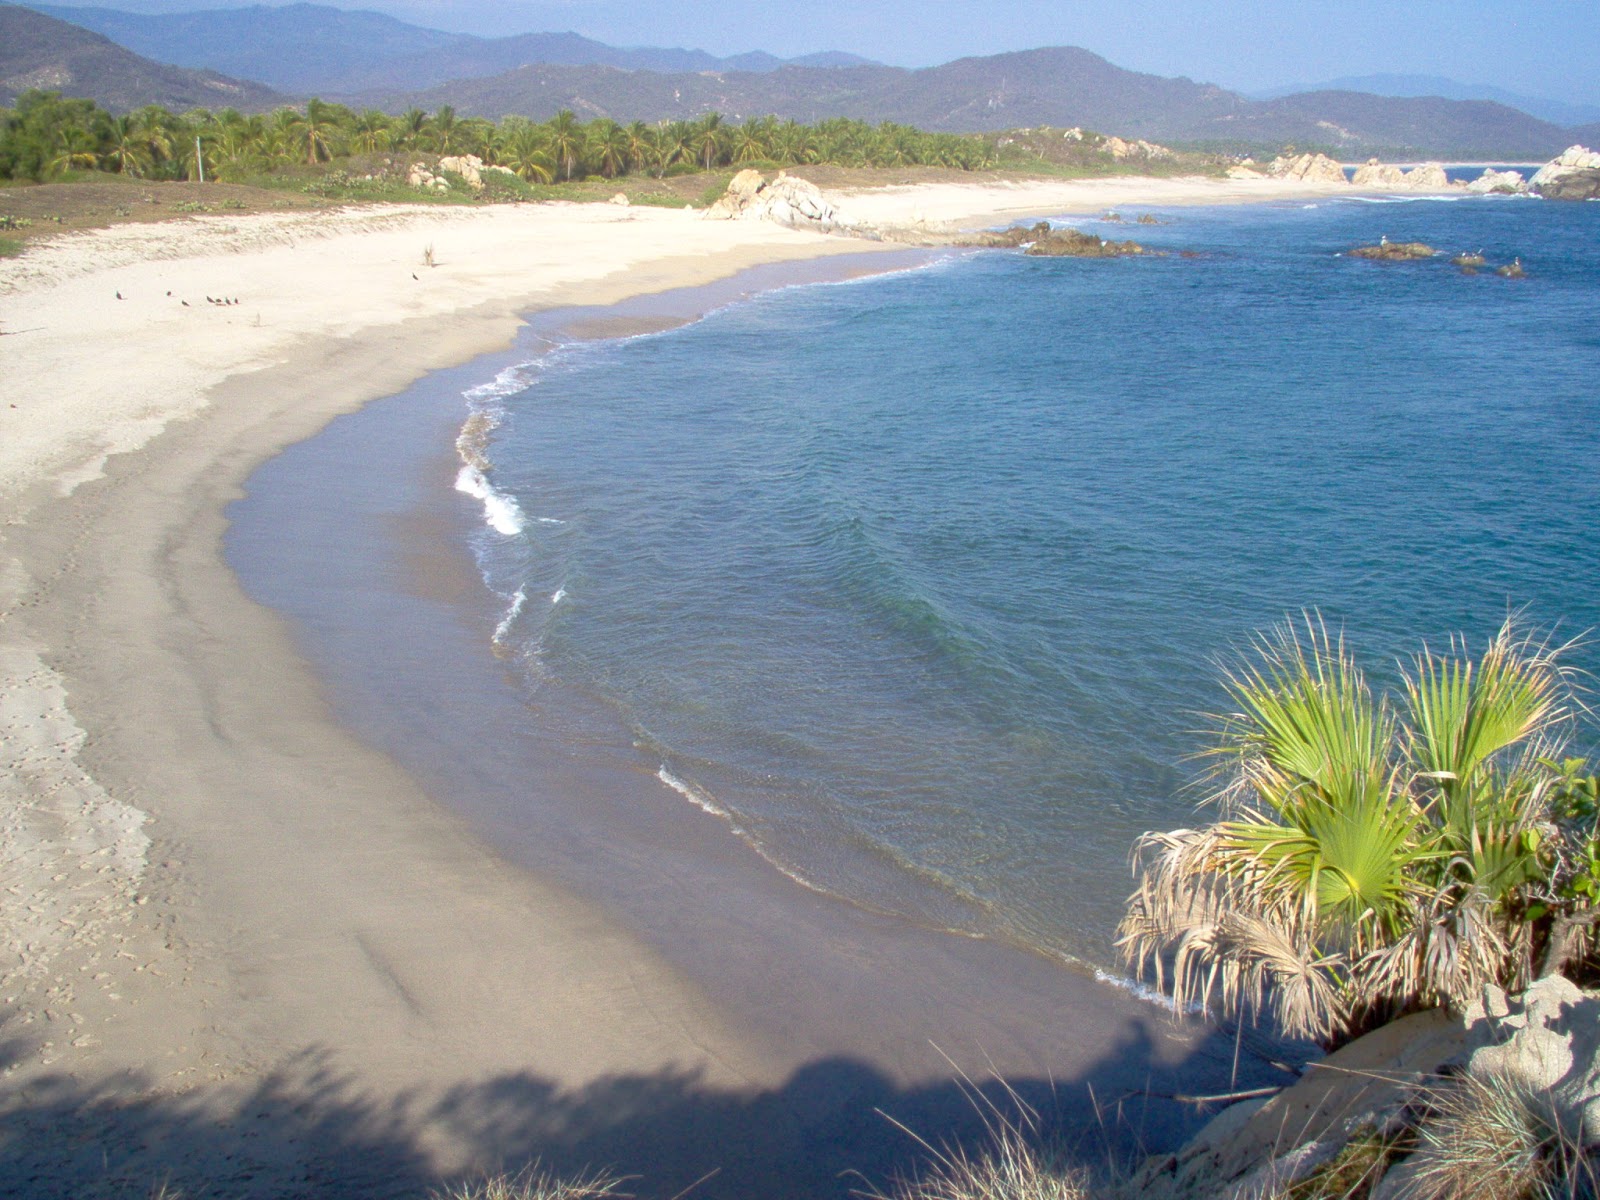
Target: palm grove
{"x": 47, "y": 136}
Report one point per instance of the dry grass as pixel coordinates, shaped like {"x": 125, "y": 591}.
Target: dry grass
{"x": 1011, "y": 1168}
{"x": 1493, "y": 1139}
{"x": 534, "y": 1183}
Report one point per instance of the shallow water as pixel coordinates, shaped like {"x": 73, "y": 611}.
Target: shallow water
{"x": 918, "y": 582}
{"x": 921, "y": 581}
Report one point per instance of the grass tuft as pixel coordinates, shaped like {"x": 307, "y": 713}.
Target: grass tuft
{"x": 10, "y": 247}
{"x": 534, "y": 1183}
{"x": 1011, "y": 1168}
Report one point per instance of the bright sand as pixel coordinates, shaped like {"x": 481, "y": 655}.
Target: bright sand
{"x": 241, "y": 944}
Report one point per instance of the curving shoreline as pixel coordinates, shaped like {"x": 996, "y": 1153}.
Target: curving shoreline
{"x": 303, "y": 906}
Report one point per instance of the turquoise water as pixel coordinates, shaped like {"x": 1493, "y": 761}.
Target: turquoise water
{"x": 921, "y": 581}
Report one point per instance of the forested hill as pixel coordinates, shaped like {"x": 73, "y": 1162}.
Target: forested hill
{"x": 38, "y": 51}
{"x": 1058, "y": 86}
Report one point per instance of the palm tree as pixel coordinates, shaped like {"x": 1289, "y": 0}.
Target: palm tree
{"x": 608, "y": 142}
{"x": 409, "y": 127}
{"x": 566, "y": 139}
{"x": 371, "y": 132}
{"x": 74, "y": 150}
{"x": 126, "y": 151}
{"x": 445, "y": 132}
{"x": 522, "y": 147}
{"x": 317, "y": 131}
{"x": 672, "y": 145}
{"x": 750, "y": 143}
{"x": 707, "y": 139}
{"x": 641, "y": 145}
{"x": 1374, "y": 856}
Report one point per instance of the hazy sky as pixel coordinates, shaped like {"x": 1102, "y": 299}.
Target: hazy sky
{"x": 1536, "y": 47}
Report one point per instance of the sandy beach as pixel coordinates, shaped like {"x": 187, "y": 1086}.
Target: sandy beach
{"x": 246, "y": 951}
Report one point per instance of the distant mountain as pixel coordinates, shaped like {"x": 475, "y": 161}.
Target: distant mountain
{"x": 314, "y": 48}
{"x": 1557, "y": 112}
{"x": 1354, "y": 124}
{"x": 38, "y": 51}
{"x": 1061, "y": 86}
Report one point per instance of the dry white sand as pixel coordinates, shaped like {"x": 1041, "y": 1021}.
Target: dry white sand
{"x": 209, "y": 888}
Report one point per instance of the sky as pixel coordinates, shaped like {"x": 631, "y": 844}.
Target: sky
{"x": 1548, "y": 48}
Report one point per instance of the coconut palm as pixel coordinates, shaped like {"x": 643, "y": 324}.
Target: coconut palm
{"x": 1373, "y": 856}
{"x": 74, "y": 150}
{"x": 641, "y": 145}
{"x": 608, "y": 143}
{"x": 371, "y": 132}
{"x": 706, "y": 138}
{"x": 125, "y": 150}
{"x": 565, "y": 139}
{"x": 524, "y": 148}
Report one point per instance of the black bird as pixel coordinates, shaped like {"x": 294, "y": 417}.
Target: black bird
{"x": 414, "y": 276}
{"x": 169, "y": 293}
{"x": 119, "y": 295}
{"x": 185, "y": 303}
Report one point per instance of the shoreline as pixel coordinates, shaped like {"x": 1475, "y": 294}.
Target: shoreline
{"x": 309, "y": 932}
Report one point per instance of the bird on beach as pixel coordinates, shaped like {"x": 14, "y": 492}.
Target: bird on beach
{"x": 119, "y": 295}
{"x": 414, "y": 276}
{"x": 185, "y": 303}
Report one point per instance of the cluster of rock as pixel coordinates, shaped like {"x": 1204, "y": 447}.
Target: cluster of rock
{"x": 1541, "y": 1049}
{"x": 1572, "y": 175}
{"x": 1124, "y": 151}
{"x": 1429, "y": 177}
{"x": 1505, "y": 183}
{"x": 1044, "y": 241}
{"x": 469, "y": 166}
{"x": 1387, "y": 251}
{"x": 1309, "y": 168}
{"x": 786, "y": 200}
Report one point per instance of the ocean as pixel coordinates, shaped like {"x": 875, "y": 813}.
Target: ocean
{"x": 919, "y": 585}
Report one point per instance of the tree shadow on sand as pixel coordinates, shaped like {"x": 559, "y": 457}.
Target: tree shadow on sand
{"x": 307, "y": 1131}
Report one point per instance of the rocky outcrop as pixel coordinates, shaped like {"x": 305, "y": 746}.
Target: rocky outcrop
{"x": 1243, "y": 171}
{"x": 786, "y": 200}
{"x": 1542, "y": 1048}
{"x": 470, "y": 167}
{"x": 1044, "y": 241}
{"x": 1572, "y": 175}
{"x": 1271, "y": 1142}
{"x": 1137, "y": 150}
{"x": 1574, "y": 185}
{"x": 1429, "y": 177}
{"x": 1545, "y": 1042}
{"x": 1504, "y": 183}
{"x": 1387, "y": 251}
{"x": 1309, "y": 168}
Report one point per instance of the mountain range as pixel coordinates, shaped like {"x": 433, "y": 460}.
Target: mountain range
{"x": 38, "y": 52}
{"x": 370, "y": 60}
{"x": 1557, "y": 112}
{"x": 313, "y": 48}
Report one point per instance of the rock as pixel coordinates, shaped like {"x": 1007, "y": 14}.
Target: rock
{"x": 1367, "y": 1085}
{"x": 1123, "y": 151}
{"x": 1374, "y": 174}
{"x": 1574, "y": 185}
{"x": 620, "y": 199}
{"x": 1070, "y": 243}
{"x": 1387, "y": 251}
{"x": 1243, "y": 172}
{"x": 1308, "y": 168}
{"x": 1508, "y": 183}
{"x": 1429, "y": 177}
{"x": 1512, "y": 270}
{"x": 786, "y": 200}
{"x": 1571, "y": 161}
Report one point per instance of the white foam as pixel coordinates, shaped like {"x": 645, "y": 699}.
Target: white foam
{"x": 512, "y": 613}
{"x": 1143, "y": 991}
{"x": 508, "y": 382}
{"x": 696, "y": 796}
{"x": 500, "y": 512}
{"x": 557, "y": 597}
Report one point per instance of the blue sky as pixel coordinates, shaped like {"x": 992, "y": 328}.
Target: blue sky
{"x": 1536, "y": 47}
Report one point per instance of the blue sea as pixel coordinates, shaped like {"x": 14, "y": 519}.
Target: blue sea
{"x": 922, "y": 583}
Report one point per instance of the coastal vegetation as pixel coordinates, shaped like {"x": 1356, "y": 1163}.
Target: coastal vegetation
{"x": 1376, "y": 854}
{"x": 47, "y": 136}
